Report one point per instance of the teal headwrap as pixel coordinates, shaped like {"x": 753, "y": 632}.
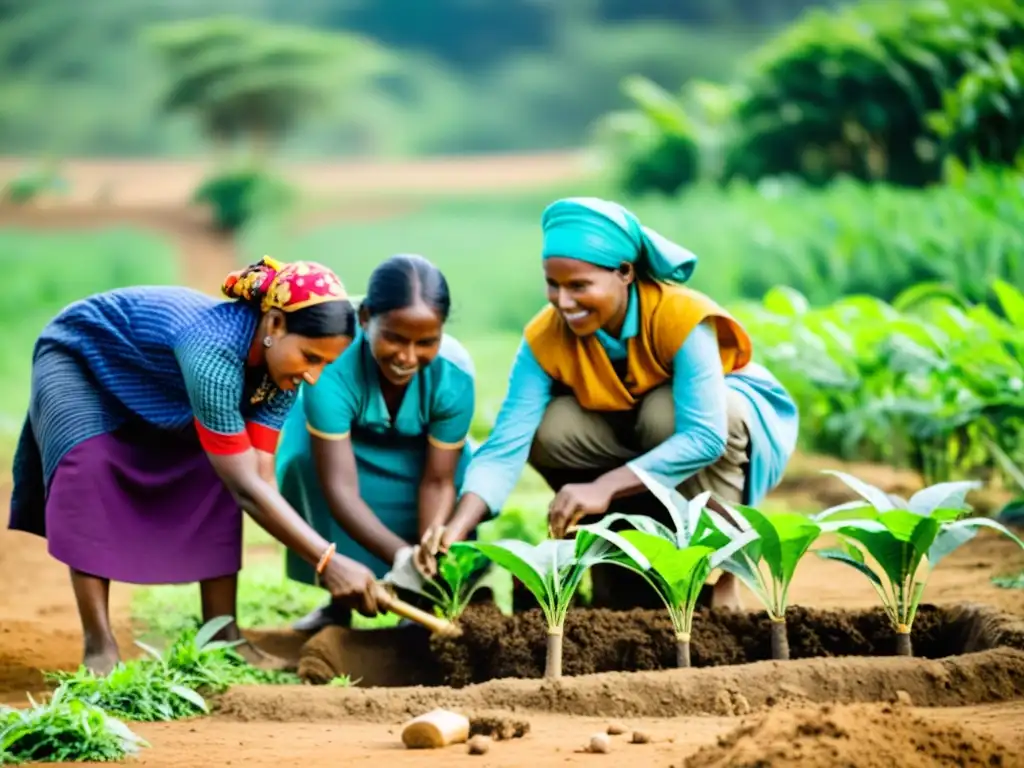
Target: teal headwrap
{"x": 606, "y": 234}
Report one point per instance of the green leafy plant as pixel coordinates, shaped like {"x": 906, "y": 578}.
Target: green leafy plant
{"x": 654, "y": 147}
{"x": 676, "y": 562}
{"x": 552, "y": 572}
{"x": 766, "y": 563}
{"x": 931, "y": 382}
{"x": 201, "y": 663}
{"x": 906, "y": 540}
{"x": 64, "y": 729}
{"x": 134, "y": 690}
{"x": 462, "y": 571}
{"x": 237, "y": 197}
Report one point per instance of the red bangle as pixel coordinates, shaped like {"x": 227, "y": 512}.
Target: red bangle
{"x": 325, "y": 558}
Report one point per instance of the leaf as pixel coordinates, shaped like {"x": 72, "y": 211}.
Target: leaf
{"x": 874, "y": 496}
{"x": 842, "y": 510}
{"x": 728, "y": 550}
{"x": 677, "y": 567}
{"x": 596, "y": 543}
{"x": 842, "y": 557}
{"x": 898, "y": 548}
{"x": 191, "y": 697}
{"x": 948, "y": 495}
{"x": 1012, "y": 301}
{"x": 531, "y": 564}
{"x": 150, "y": 650}
{"x": 639, "y": 522}
{"x": 210, "y": 629}
{"x": 671, "y": 499}
{"x": 785, "y": 538}
{"x": 951, "y": 536}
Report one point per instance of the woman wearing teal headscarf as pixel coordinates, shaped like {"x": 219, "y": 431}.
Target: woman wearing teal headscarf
{"x": 627, "y": 368}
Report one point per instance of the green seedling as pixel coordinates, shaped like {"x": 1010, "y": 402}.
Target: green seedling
{"x": 198, "y": 661}
{"x": 678, "y": 562}
{"x": 64, "y": 729}
{"x": 461, "y": 572}
{"x": 906, "y": 540}
{"x": 767, "y": 562}
{"x": 552, "y": 571}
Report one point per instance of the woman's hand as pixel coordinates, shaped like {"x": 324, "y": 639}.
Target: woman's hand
{"x": 424, "y": 556}
{"x": 573, "y": 502}
{"x": 353, "y": 584}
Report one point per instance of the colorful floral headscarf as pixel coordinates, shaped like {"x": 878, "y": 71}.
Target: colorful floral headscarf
{"x": 284, "y": 286}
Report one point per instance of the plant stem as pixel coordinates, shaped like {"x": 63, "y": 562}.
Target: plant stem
{"x": 553, "y": 662}
{"x": 780, "y": 640}
{"x": 903, "y": 645}
{"x": 682, "y": 649}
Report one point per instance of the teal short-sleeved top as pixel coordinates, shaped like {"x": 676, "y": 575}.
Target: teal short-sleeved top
{"x": 438, "y": 404}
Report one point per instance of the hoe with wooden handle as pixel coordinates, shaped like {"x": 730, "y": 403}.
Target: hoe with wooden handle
{"x": 387, "y": 601}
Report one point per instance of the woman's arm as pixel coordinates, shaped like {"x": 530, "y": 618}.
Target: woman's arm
{"x": 214, "y": 381}
{"x": 339, "y": 478}
{"x": 496, "y": 467}
{"x": 437, "y": 487}
{"x": 330, "y": 408}
{"x": 451, "y": 415}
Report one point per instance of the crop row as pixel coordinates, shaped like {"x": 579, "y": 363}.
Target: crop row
{"x": 891, "y": 541}
{"x": 931, "y": 381}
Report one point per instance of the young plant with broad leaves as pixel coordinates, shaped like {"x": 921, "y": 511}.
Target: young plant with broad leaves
{"x": 461, "y": 572}
{"x": 677, "y": 560}
{"x": 905, "y": 538}
{"x": 552, "y": 571}
{"x": 62, "y": 730}
{"x": 767, "y": 562}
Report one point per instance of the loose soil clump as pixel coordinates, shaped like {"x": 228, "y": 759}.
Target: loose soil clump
{"x": 854, "y": 736}
{"x": 498, "y": 726}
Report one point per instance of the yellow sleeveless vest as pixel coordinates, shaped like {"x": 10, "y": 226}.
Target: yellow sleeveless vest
{"x": 668, "y": 313}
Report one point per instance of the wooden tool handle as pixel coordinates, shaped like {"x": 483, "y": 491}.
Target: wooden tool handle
{"x": 411, "y": 612}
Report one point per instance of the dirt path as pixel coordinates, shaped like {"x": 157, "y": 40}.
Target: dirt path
{"x": 171, "y": 182}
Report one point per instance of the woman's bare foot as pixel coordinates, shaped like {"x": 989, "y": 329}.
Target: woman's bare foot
{"x": 101, "y": 661}
{"x": 261, "y": 659}
{"x": 726, "y": 593}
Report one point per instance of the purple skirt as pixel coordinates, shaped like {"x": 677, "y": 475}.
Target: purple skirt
{"x": 144, "y": 508}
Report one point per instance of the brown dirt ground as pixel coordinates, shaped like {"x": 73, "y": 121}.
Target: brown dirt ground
{"x": 682, "y": 710}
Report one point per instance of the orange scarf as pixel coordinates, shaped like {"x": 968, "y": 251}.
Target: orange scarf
{"x": 668, "y": 314}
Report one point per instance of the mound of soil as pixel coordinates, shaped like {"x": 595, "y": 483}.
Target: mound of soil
{"x": 853, "y": 736}
{"x": 995, "y": 675}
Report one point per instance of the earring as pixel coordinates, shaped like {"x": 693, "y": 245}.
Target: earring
{"x": 267, "y": 341}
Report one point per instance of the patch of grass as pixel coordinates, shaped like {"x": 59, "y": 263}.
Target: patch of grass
{"x": 265, "y": 599}
{"x": 1009, "y": 581}
{"x": 64, "y": 729}
{"x": 138, "y": 690}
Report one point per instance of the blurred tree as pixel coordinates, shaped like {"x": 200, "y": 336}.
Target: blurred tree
{"x": 857, "y": 92}
{"x": 253, "y": 82}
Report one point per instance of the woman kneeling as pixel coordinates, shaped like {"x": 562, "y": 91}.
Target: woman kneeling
{"x": 627, "y": 368}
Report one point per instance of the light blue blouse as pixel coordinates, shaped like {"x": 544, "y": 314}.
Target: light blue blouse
{"x": 701, "y": 418}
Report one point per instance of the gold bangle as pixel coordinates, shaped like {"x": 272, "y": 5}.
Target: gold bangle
{"x": 325, "y": 558}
